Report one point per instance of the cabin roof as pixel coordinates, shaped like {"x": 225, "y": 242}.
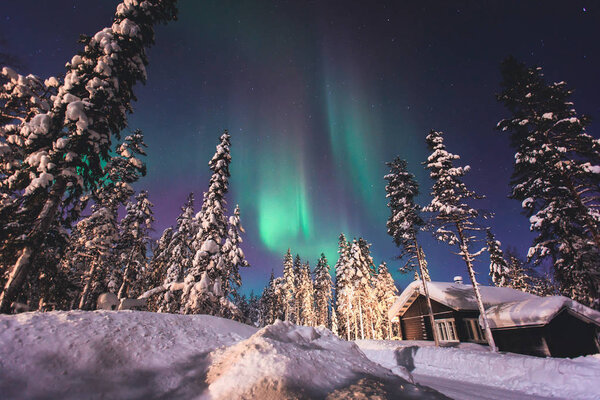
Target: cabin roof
{"x": 457, "y": 296}
{"x": 537, "y": 311}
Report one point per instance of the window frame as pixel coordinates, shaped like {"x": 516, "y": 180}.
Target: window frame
{"x": 445, "y": 328}
{"x": 474, "y": 331}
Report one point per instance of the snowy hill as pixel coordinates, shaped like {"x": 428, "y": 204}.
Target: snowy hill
{"x": 141, "y": 355}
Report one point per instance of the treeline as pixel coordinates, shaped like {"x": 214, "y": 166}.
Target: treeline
{"x": 354, "y": 307}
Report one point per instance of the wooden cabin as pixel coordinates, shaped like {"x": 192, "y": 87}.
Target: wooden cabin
{"x": 520, "y": 322}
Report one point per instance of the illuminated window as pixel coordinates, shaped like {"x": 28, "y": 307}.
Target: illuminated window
{"x": 446, "y": 330}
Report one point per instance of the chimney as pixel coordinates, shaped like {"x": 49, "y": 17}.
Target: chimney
{"x": 458, "y": 280}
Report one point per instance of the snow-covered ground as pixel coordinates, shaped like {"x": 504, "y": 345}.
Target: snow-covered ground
{"x": 472, "y": 372}
{"x": 141, "y": 355}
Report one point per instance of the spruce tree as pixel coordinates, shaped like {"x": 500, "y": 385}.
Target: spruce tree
{"x": 159, "y": 263}
{"x": 323, "y": 293}
{"x": 131, "y": 248}
{"x": 556, "y": 177}
{"x": 306, "y": 297}
{"x": 453, "y": 218}
{"x": 404, "y": 223}
{"x": 298, "y": 295}
{"x": 343, "y": 289}
{"x": 72, "y": 139}
{"x": 289, "y": 287}
{"x": 233, "y": 254}
{"x": 267, "y": 303}
{"x": 178, "y": 256}
{"x": 386, "y": 292}
{"x": 498, "y": 265}
{"x": 215, "y": 264}
{"x": 92, "y": 254}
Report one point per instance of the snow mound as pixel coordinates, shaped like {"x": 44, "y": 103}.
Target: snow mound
{"x": 143, "y": 355}
{"x": 288, "y": 361}
{"x": 109, "y": 355}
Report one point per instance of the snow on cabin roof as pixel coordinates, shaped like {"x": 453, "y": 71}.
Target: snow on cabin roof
{"x": 537, "y": 311}
{"x": 456, "y": 295}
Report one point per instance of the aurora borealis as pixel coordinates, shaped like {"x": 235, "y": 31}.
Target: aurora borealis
{"x": 317, "y": 97}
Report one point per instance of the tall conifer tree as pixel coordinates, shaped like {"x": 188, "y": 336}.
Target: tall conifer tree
{"x": 556, "y": 177}
{"x": 453, "y": 218}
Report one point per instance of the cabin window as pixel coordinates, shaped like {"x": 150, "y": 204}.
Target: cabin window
{"x": 446, "y": 330}
{"x": 474, "y": 332}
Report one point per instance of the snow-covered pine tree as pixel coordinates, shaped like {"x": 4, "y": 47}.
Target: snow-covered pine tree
{"x": 266, "y": 303}
{"x": 157, "y": 269}
{"x": 498, "y": 265}
{"x": 343, "y": 289}
{"x": 211, "y": 262}
{"x": 234, "y": 256}
{"x": 289, "y": 287}
{"x": 362, "y": 290}
{"x": 72, "y": 139}
{"x": 92, "y": 252}
{"x": 386, "y": 292}
{"x": 453, "y": 218}
{"x": 556, "y": 177}
{"x": 404, "y": 223}
{"x": 298, "y": 300}
{"x": 178, "y": 256}
{"x": 254, "y": 310}
{"x": 323, "y": 293}
{"x": 306, "y": 296}
{"x": 279, "y": 302}
{"x": 134, "y": 230}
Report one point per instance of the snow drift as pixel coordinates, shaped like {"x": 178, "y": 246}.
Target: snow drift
{"x": 550, "y": 377}
{"x": 141, "y": 355}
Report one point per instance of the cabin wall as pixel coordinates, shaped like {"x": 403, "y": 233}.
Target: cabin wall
{"x": 568, "y": 336}
{"x": 415, "y": 322}
{"x": 525, "y": 340}
{"x": 565, "y": 336}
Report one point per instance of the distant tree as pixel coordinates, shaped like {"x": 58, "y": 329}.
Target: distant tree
{"x": 498, "y": 265}
{"x": 305, "y": 297}
{"x": 343, "y": 289}
{"x": 178, "y": 257}
{"x": 385, "y": 292}
{"x": 132, "y": 246}
{"x": 452, "y": 217}
{"x": 556, "y": 177}
{"x": 323, "y": 293}
{"x": 289, "y": 288}
{"x": 159, "y": 263}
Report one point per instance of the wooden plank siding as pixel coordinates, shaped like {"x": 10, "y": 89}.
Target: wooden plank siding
{"x": 415, "y": 323}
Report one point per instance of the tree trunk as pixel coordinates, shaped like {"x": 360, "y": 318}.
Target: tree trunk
{"x": 23, "y": 266}
{"x": 467, "y": 257}
{"x": 87, "y": 288}
{"x": 362, "y": 329}
{"x": 426, "y": 290}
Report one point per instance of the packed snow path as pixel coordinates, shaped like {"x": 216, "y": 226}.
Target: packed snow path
{"x": 142, "y": 355}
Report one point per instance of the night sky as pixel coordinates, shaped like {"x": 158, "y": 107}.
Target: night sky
{"x": 318, "y": 96}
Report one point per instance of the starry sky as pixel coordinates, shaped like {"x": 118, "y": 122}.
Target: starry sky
{"x": 317, "y": 96}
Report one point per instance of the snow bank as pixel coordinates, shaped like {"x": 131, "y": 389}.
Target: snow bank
{"x": 110, "y": 355}
{"x": 551, "y": 377}
{"x": 135, "y": 355}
